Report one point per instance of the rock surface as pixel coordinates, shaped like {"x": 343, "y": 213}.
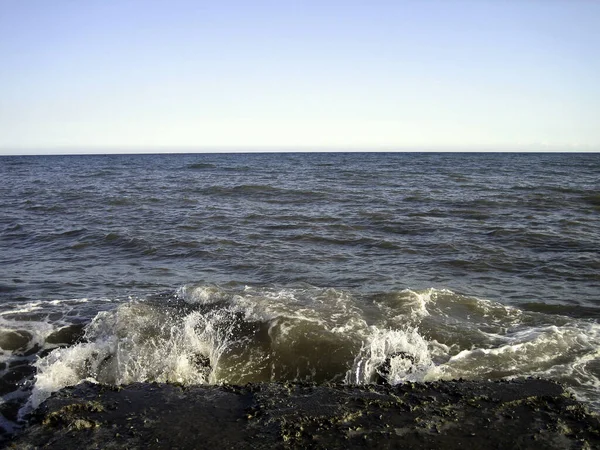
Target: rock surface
{"x": 531, "y": 413}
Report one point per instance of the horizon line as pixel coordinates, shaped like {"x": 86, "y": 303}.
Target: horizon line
{"x": 232, "y": 149}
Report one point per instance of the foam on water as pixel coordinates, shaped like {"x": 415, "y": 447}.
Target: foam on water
{"x": 392, "y": 355}
{"x": 238, "y": 334}
{"x": 201, "y": 295}
{"x": 208, "y": 334}
{"x": 134, "y": 342}
{"x": 26, "y": 328}
{"x": 506, "y": 342}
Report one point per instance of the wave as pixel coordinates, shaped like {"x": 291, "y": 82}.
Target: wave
{"x": 201, "y": 166}
{"x": 264, "y": 192}
{"x": 126, "y": 242}
{"x": 209, "y": 334}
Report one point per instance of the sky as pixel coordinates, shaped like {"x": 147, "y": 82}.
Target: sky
{"x": 137, "y": 75}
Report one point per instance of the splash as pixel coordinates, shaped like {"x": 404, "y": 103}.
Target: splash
{"x": 134, "y": 342}
{"x": 391, "y": 356}
{"x": 237, "y": 334}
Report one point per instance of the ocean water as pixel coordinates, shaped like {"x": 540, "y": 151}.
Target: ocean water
{"x": 345, "y": 267}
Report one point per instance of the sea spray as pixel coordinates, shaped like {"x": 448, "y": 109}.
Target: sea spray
{"x": 134, "y": 342}
{"x": 391, "y": 356}
{"x": 211, "y": 334}
{"x": 205, "y": 334}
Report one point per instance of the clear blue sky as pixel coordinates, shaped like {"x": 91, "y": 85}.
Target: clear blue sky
{"x": 377, "y": 74}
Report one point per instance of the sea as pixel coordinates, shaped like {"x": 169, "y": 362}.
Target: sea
{"x": 351, "y": 268}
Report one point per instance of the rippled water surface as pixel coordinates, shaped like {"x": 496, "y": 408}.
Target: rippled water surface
{"x": 253, "y": 267}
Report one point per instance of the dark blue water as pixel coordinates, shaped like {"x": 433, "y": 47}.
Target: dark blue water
{"x": 515, "y": 228}
{"x": 479, "y": 265}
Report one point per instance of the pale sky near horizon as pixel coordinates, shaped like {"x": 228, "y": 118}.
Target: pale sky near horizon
{"x": 137, "y": 74}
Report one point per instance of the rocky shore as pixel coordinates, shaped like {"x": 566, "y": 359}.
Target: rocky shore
{"x": 532, "y": 413}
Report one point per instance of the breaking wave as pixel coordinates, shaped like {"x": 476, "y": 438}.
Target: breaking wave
{"x": 205, "y": 333}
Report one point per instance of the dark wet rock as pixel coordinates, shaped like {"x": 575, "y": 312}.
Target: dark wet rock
{"x": 66, "y": 335}
{"x": 18, "y": 362}
{"x": 14, "y": 376}
{"x": 18, "y": 373}
{"x": 532, "y": 413}
{"x": 45, "y": 352}
{"x": 6, "y": 387}
{"x": 10, "y": 409}
{"x": 14, "y": 339}
{"x": 32, "y": 351}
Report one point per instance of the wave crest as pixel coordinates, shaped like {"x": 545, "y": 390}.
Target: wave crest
{"x": 205, "y": 333}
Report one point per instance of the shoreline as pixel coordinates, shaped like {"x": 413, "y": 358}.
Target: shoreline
{"x": 525, "y": 413}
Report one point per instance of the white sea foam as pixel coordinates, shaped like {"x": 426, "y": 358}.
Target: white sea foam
{"x": 251, "y": 334}
{"x": 141, "y": 341}
{"x": 395, "y": 355}
{"x": 23, "y": 308}
{"x": 545, "y": 351}
{"x": 132, "y": 343}
{"x": 473, "y": 338}
{"x": 40, "y": 319}
{"x": 201, "y": 295}
{"x": 32, "y": 335}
